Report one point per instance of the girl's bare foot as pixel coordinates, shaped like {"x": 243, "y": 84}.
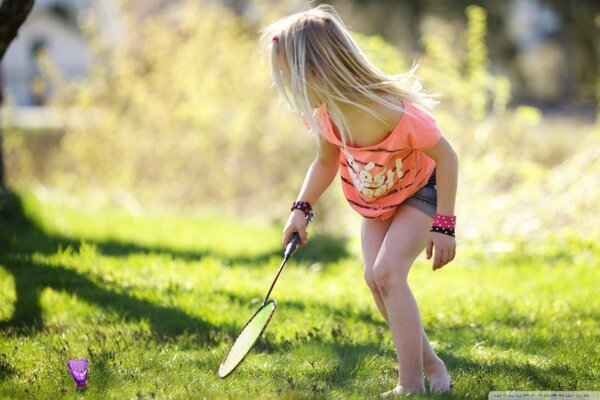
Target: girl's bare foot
{"x": 400, "y": 391}
{"x": 439, "y": 379}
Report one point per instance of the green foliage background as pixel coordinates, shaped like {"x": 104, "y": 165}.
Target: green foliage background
{"x": 181, "y": 116}
{"x": 182, "y": 113}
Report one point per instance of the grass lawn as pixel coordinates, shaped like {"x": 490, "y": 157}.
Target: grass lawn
{"x": 155, "y": 302}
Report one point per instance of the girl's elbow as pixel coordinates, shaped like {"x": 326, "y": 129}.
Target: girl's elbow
{"x": 328, "y": 158}
{"x": 453, "y": 162}
{"x": 454, "y": 157}
{"x": 326, "y": 162}
{"x": 448, "y": 157}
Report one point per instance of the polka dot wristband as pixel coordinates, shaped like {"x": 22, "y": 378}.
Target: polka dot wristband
{"x": 444, "y": 221}
{"x": 444, "y": 224}
{"x": 302, "y": 206}
{"x": 449, "y": 232}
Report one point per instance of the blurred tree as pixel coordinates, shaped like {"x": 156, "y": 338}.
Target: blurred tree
{"x": 404, "y": 22}
{"x": 12, "y": 15}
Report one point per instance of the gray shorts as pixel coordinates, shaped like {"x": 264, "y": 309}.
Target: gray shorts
{"x": 425, "y": 199}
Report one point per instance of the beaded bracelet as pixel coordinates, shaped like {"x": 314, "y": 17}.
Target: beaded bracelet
{"x": 449, "y": 232}
{"x": 445, "y": 224}
{"x": 303, "y": 206}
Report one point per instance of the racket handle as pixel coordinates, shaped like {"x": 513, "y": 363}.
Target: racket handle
{"x": 293, "y": 244}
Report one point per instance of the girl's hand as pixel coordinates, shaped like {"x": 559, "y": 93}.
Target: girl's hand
{"x": 445, "y": 249}
{"x": 296, "y": 223}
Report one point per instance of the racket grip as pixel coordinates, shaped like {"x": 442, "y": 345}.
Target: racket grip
{"x": 293, "y": 244}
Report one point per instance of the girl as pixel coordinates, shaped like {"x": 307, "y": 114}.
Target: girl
{"x": 373, "y": 128}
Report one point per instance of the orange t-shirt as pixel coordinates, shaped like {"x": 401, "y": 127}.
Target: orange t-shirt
{"x": 377, "y": 179}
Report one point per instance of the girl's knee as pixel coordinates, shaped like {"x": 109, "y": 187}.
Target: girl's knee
{"x": 370, "y": 280}
{"x": 388, "y": 273}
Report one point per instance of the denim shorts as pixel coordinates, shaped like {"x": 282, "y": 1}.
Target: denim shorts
{"x": 425, "y": 199}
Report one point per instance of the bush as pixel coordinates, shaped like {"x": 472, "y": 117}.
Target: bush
{"x": 182, "y": 112}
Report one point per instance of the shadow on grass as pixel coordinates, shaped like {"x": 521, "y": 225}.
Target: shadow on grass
{"x": 506, "y": 375}
{"x": 354, "y": 367}
{"x": 353, "y": 363}
{"x": 18, "y": 232}
{"x": 321, "y": 248}
{"x": 21, "y": 238}
{"x": 486, "y": 372}
{"x": 340, "y": 314}
{"x": 32, "y": 277}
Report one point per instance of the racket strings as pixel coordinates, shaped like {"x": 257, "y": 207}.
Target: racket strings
{"x": 247, "y": 338}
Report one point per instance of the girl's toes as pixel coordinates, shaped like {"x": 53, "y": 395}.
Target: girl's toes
{"x": 398, "y": 391}
{"x": 440, "y": 387}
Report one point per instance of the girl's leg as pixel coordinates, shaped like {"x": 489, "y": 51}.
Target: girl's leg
{"x": 435, "y": 369}
{"x": 404, "y": 241}
{"x": 372, "y": 234}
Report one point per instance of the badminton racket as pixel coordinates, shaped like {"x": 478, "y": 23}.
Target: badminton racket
{"x": 259, "y": 321}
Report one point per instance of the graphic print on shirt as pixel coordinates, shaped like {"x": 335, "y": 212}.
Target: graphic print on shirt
{"x": 371, "y": 184}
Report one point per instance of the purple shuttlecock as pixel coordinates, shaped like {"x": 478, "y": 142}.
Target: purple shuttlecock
{"x": 78, "y": 369}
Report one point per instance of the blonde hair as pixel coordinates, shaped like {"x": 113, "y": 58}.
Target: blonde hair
{"x": 313, "y": 60}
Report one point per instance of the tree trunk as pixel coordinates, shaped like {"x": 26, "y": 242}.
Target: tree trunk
{"x": 12, "y": 15}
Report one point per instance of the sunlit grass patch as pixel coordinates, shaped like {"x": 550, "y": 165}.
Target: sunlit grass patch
{"x": 155, "y": 317}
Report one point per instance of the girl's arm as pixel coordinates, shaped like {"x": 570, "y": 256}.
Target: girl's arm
{"x": 446, "y": 182}
{"x": 319, "y": 176}
{"x": 446, "y": 174}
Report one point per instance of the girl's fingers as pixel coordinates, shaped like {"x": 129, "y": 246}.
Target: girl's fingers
{"x": 429, "y": 249}
{"x": 443, "y": 252}
{"x": 287, "y": 236}
{"x": 437, "y": 259}
{"x": 451, "y": 254}
{"x": 444, "y": 258}
{"x": 303, "y": 235}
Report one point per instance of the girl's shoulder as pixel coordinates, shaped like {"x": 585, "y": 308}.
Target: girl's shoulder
{"x": 419, "y": 129}
{"x": 321, "y": 116}
{"x": 416, "y": 129}
{"x": 417, "y": 112}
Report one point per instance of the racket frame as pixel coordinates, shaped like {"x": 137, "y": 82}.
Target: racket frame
{"x": 290, "y": 249}
{"x": 263, "y": 306}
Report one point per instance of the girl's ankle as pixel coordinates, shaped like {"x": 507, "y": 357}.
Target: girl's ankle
{"x": 433, "y": 363}
{"x": 413, "y": 387}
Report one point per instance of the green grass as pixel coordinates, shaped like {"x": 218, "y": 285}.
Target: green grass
{"x": 154, "y": 303}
